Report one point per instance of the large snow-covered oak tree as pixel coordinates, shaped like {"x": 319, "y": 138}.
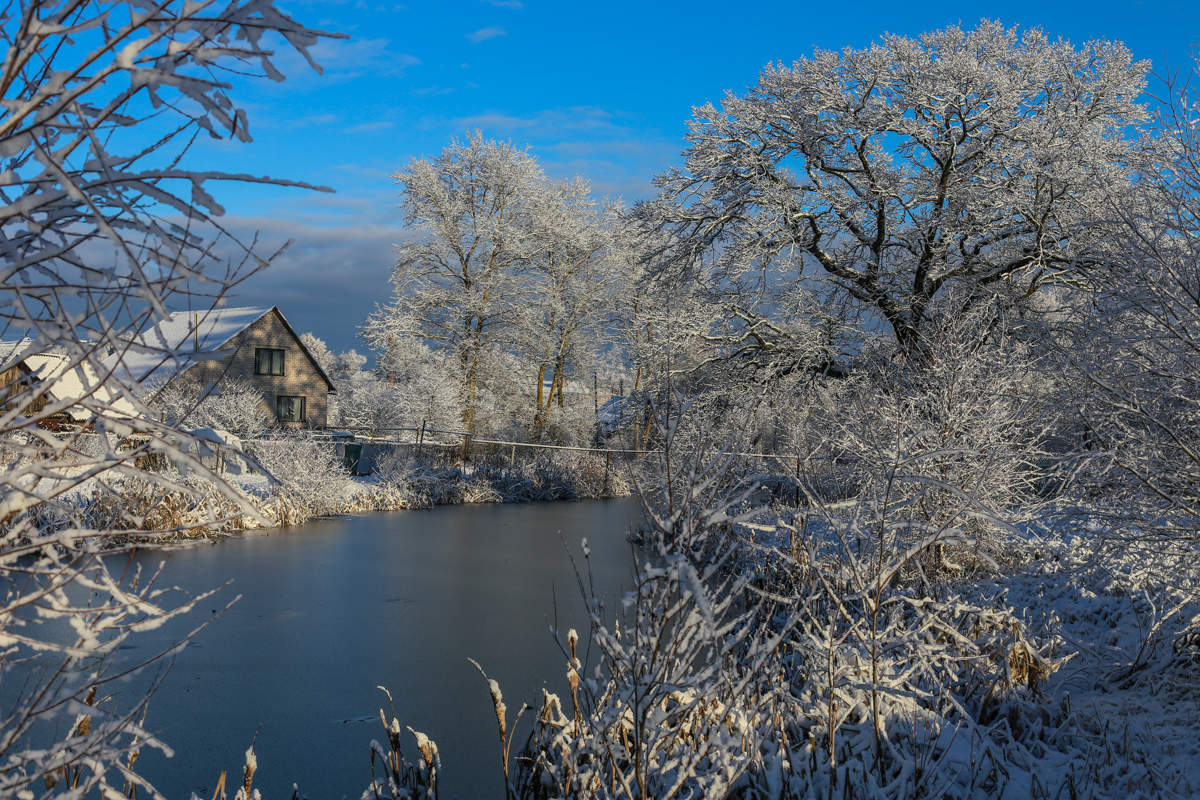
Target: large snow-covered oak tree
{"x": 968, "y": 163}
{"x": 103, "y": 226}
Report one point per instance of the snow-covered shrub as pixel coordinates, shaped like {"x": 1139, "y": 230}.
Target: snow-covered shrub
{"x": 947, "y": 440}
{"x": 364, "y": 402}
{"x": 311, "y": 479}
{"x": 106, "y": 223}
{"x": 1136, "y": 352}
{"x": 394, "y": 464}
{"x": 893, "y": 692}
{"x": 587, "y": 474}
{"x": 235, "y": 405}
{"x": 548, "y": 475}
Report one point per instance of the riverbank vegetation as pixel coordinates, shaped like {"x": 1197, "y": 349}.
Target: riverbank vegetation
{"x": 293, "y": 479}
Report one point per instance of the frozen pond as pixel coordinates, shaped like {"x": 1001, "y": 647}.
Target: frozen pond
{"x": 334, "y": 608}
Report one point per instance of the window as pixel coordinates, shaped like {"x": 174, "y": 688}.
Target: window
{"x": 290, "y": 408}
{"x": 268, "y": 361}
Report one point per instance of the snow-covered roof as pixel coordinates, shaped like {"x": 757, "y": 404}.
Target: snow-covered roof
{"x": 10, "y": 351}
{"x": 74, "y": 383}
{"x": 183, "y": 339}
{"x": 65, "y": 380}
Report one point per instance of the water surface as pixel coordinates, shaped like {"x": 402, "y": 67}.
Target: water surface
{"x": 334, "y": 608}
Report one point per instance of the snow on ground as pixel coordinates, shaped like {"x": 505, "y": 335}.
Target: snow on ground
{"x": 1132, "y": 694}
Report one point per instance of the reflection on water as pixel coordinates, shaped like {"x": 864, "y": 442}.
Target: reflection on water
{"x": 332, "y": 609}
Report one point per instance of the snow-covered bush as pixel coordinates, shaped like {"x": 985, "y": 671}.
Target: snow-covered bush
{"x": 1136, "y": 355}
{"x": 948, "y": 440}
{"x": 311, "y": 479}
{"x": 235, "y": 405}
{"x": 410, "y": 388}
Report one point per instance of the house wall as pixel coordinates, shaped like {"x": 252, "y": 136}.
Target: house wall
{"x": 300, "y": 377}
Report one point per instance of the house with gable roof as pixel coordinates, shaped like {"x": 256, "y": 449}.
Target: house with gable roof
{"x": 256, "y": 345}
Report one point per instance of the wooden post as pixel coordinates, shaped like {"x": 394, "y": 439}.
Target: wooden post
{"x": 607, "y": 459}
{"x": 420, "y": 438}
{"x": 512, "y": 457}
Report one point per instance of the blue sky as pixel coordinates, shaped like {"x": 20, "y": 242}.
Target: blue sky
{"x": 603, "y": 91}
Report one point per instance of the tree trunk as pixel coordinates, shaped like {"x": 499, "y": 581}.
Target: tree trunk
{"x": 539, "y": 416}
{"x": 470, "y": 384}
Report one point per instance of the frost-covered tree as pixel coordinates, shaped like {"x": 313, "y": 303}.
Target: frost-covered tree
{"x": 973, "y": 160}
{"x": 572, "y": 279}
{"x": 458, "y": 283}
{"x": 505, "y": 265}
{"x": 102, "y": 225}
{"x": 410, "y": 388}
{"x": 319, "y": 351}
{"x": 1137, "y": 349}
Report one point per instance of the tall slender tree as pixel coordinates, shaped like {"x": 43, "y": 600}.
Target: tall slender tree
{"x": 458, "y": 283}
{"x": 572, "y": 278}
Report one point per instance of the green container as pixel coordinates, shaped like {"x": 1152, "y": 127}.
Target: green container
{"x": 352, "y": 456}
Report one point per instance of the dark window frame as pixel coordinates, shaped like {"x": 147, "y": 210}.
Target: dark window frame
{"x": 301, "y": 417}
{"x": 270, "y": 353}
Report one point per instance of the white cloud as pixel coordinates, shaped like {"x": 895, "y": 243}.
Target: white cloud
{"x": 432, "y": 91}
{"x": 576, "y": 118}
{"x": 367, "y": 127}
{"x": 500, "y": 122}
{"x": 343, "y": 60}
{"x": 328, "y": 280}
{"x": 483, "y": 34}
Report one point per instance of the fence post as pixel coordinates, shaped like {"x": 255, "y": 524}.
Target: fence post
{"x": 607, "y": 459}
{"x": 420, "y": 439}
{"x": 512, "y": 457}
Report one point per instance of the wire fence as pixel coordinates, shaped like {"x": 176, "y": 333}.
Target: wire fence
{"x": 362, "y": 447}
{"x": 467, "y": 439}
